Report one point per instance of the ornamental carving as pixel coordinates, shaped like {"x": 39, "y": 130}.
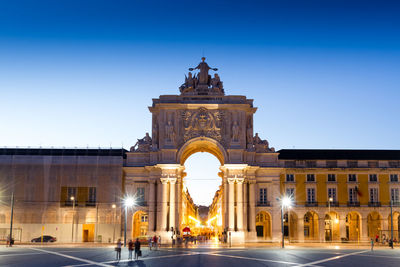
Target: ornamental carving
{"x": 202, "y": 122}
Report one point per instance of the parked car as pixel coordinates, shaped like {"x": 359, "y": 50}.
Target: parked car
{"x": 46, "y": 238}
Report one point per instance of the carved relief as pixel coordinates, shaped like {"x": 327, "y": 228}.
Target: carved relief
{"x": 169, "y": 133}
{"x": 235, "y": 132}
{"x": 202, "y": 122}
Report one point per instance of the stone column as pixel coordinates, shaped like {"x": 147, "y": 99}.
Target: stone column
{"x": 159, "y": 206}
{"x": 321, "y": 227}
{"x": 172, "y": 182}
{"x": 151, "y": 198}
{"x": 178, "y": 217}
{"x": 300, "y": 229}
{"x": 239, "y": 203}
{"x": 164, "y": 206}
{"x": 342, "y": 225}
{"x": 364, "y": 230}
{"x": 245, "y": 208}
{"x": 252, "y": 204}
{"x": 231, "y": 204}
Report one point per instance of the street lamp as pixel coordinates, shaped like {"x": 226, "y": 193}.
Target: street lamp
{"x": 128, "y": 202}
{"x": 72, "y": 198}
{"x": 113, "y": 206}
{"x": 285, "y": 202}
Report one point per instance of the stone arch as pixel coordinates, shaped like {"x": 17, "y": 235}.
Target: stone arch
{"x": 311, "y": 225}
{"x": 263, "y": 225}
{"x": 353, "y": 226}
{"x": 332, "y": 226}
{"x": 290, "y": 225}
{"x": 140, "y": 224}
{"x": 374, "y": 220}
{"x": 396, "y": 225}
{"x": 202, "y": 144}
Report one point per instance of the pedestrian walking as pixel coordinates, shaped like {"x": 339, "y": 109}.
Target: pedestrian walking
{"x": 372, "y": 244}
{"x": 118, "y": 250}
{"x": 159, "y": 241}
{"x": 130, "y": 249}
{"x": 155, "y": 242}
{"x": 150, "y": 242}
{"x": 138, "y": 252}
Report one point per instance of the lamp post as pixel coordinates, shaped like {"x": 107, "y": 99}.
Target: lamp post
{"x": 11, "y": 218}
{"x": 330, "y": 218}
{"x": 285, "y": 202}
{"x": 113, "y": 206}
{"x": 72, "y": 198}
{"x": 128, "y": 202}
{"x": 391, "y": 222}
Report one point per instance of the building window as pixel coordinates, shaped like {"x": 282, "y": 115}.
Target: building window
{"x": 394, "y": 164}
{"x": 373, "y": 178}
{"x": 372, "y": 164}
{"x": 373, "y": 195}
{"x": 394, "y": 178}
{"x": 311, "y": 195}
{"x": 140, "y": 194}
{"x": 263, "y": 195}
{"x": 290, "y": 164}
{"x": 352, "y": 195}
{"x": 92, "y": 195}
{"x": 352, "y": 178}
{"x": 332, "y": 194}
{"x": 311, "y": 164}
{"x": 310, "y": 178}
{"x": 331, "y": 163}
{"x": 352, "y": 164}
{"x": 289, "y": 177}
{"x": 290, "y": 192}
{"x": 144, "y": 218}
{"x": 394, "y": 194}
{"x": 331, "y": 177}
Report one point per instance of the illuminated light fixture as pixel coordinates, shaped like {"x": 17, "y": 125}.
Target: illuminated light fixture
{"x": 210, "y": 220}
{"x": 286, "y": 202}
{"x": 336, "y": 220}
{"x": 129, "y": 201}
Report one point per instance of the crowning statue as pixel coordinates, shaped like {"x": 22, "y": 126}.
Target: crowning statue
{"x": 200, "y": 84}
{"x": 142, "y": 145}
{"x": 261, "y": 145}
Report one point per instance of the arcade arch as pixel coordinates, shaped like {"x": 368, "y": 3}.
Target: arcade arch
{"x": 290, "y": 225}
{"x": 353, "y": 222}
{"x": 263, "y": 225}
{"x": 311, "y": 225}
{"x": 332, "y": 227}
{"x": 374, "y": 220}
{"x": 140, "y": 224}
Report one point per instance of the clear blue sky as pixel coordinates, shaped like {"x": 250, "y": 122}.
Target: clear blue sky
{"x": 324, "y": 74}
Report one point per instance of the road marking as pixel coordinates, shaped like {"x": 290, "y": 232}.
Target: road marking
{"x": 256, "y": 259}
{"x": 331, "y": 258}
{"x": 72, "y": 257}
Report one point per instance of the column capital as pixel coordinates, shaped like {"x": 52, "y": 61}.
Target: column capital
{"x": 172, "y": 180}
{"x": 231, "y": 180}
{"x": 164, "y": 180}
{"x": 240, "y": 180}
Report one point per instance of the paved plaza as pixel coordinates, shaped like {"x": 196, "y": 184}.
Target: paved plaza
{"x": 199, "y": 256}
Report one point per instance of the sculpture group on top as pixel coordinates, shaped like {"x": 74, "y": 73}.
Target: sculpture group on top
{"x": 202, "y": 83}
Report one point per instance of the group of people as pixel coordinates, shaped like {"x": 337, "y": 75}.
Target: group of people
{"x": 154, "y": 242}
{"x": 131, "y": 246}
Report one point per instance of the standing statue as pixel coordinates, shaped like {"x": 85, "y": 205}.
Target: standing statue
{"x": 204, "y": 68}
{"x": 235, "y": 132}
{"x": 169, "y": 132}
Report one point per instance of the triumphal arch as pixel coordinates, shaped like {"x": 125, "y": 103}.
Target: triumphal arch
{"x": 202, "y": 118}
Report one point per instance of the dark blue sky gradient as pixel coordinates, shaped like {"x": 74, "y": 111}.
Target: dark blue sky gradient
{"x": 324, "y": 74}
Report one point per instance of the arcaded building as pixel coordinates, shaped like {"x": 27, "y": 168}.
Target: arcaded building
{"x": 337, "y": 195}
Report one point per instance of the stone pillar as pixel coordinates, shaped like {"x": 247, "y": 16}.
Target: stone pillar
{"x": 239, "y": 203}
{"x": 164, "y": 202}
{"x": 172, "y": 182}
{"x": 178, "y": 215}
{"x": 321, "y": 228}
{"x": 151, "y": 198}
{"x": 342, "y": 225}
{"x": 159, "y": 206}
{"x": 364, "y": 230}
{"x": 231, "y": 204}
{"x": 252, "y": 204}
{"x": 245, "y": 208}
{"x": 300, "y": 229}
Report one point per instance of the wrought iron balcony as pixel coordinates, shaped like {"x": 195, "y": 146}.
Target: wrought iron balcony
{"x": 90, "y": 203}
{"x": 374, "y": 204}
{"x": 332, "y": 204}
{"x": 141, "y": 203}
{"x": 68, "y": 203}
{"x": 263, "y": 204}
{"x": 312, "y": 204}
{"x": 353, "y": 204}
